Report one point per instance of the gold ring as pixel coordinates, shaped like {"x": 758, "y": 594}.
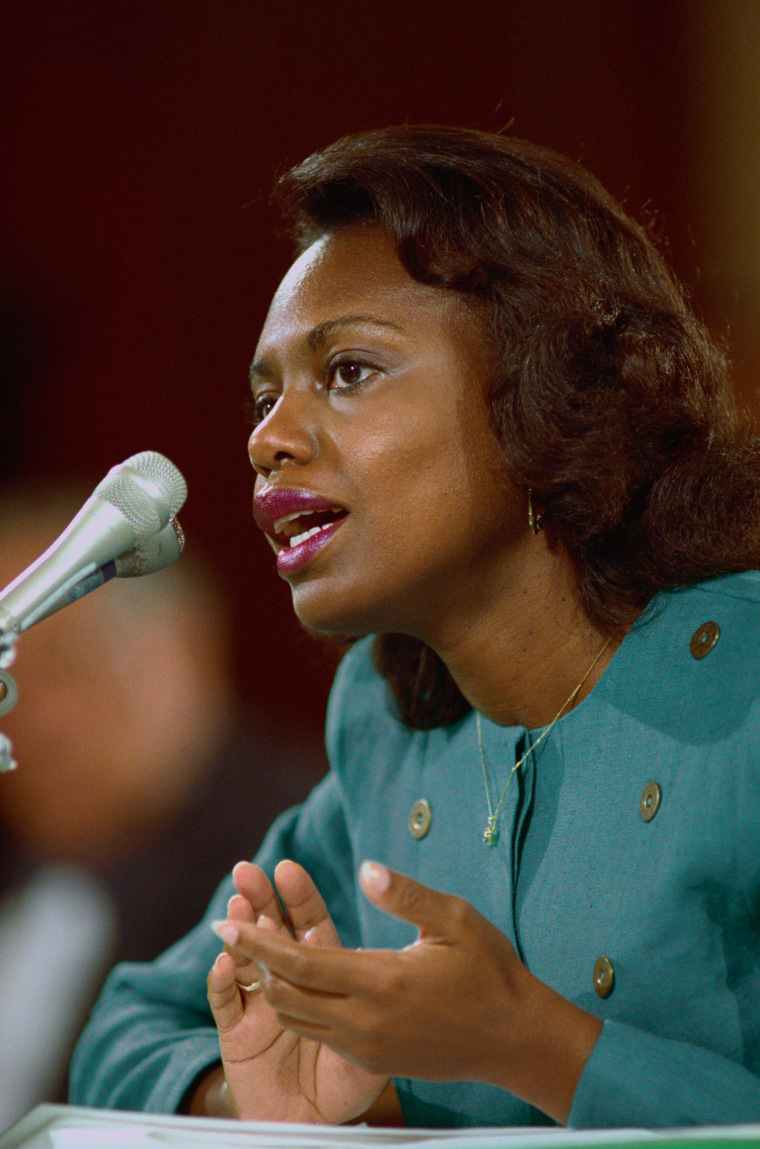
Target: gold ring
{"x": 250, "y": 988}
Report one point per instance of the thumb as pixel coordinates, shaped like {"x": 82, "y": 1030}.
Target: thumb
{"x": 404, "y": 898}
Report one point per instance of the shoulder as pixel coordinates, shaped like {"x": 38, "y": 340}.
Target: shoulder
{"x": 720, "y": 614}
{"x": 694, "y": 657}
{"x": 741, "y": 587}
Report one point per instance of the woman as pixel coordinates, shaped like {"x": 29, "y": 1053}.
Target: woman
{"x": 488, "y": 430}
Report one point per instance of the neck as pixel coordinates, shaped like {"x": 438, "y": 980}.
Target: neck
{"x": 520, "y": 653}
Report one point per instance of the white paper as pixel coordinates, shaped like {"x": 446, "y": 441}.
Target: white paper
{"x": 64, "y": 1127}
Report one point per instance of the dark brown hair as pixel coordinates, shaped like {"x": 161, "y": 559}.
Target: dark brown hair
{"x": 609, "y": 398}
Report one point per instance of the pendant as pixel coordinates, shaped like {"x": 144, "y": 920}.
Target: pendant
{"x": 491, "y": 834}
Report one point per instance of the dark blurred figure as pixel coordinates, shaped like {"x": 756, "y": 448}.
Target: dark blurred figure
{"x": 141, "y": 781}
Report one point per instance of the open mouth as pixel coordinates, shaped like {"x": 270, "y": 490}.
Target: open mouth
{"x": 292, "y": 530}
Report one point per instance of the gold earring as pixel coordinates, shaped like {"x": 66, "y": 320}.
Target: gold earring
{"x": 535, "y": 519}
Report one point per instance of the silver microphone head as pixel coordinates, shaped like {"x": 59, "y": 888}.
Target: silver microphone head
{"x": 147, "y": 489}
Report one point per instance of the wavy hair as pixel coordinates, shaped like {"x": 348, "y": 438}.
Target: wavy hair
{"x": 608, "y": 397}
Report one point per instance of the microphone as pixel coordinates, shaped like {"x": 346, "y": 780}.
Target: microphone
{"x": 122, "y": 523}
{"x": 153, "y": 554}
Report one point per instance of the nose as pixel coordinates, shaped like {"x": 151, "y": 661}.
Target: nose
{"x": 287, "y": 435}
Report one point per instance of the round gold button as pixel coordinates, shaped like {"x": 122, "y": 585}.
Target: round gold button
{"x": 420, "y": 818}
{"x": 704, "y": 639}
{"x": 649, "y": 804}
{"x": 604, "y": 976}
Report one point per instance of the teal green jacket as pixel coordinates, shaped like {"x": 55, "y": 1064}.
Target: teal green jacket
{"x": 631, "y": 834}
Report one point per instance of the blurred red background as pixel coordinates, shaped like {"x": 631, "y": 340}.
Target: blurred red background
{"x": 140, "y": 143}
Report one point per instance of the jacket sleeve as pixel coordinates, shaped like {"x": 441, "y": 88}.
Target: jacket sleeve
{"x": 638, "y": 1079}
{"x": 635, "y": 1077}
{"x": 151, "y": 1033}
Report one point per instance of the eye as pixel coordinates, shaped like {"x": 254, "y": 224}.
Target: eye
{"x": 259, "y": 407}
{"x": 346, "y": 374}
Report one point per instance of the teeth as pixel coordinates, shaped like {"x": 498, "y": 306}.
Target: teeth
{"x": 307, "y": 535}
{"x": 279, "y": 524}
{"x": 277, "y": 527}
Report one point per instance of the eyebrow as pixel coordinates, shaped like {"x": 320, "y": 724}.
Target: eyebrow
{"x": 318, "y": 336}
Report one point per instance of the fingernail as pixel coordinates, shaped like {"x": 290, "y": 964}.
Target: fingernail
{"x": 226, "y": 931}
{"x": 265, "y": 923}
{"x": 375, "y": 877}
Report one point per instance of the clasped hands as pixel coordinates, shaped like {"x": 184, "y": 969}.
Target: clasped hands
{"x": 328, "y": 1028}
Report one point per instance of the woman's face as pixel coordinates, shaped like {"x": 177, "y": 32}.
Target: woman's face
{"x": 379, "y": 482}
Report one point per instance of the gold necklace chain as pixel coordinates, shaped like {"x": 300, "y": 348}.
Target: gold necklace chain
{"x": 491, "y": 832}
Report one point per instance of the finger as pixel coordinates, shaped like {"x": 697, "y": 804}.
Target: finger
{"x": 438, "y": 916}
{"x": 335, "y": 1021}
{"x": 252, "y": 884}
{"x": 250, "y": 972}
{"x": 239, "y": 908}
{"x": 223, "y": 994}
{"x": 328, "y": 970}
{"x": 246, "y": 971}
{"x": 299, "y": 1007}
{"x": 304, "y": 905}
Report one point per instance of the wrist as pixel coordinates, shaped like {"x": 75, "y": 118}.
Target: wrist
{"x": 548, "y": 1050}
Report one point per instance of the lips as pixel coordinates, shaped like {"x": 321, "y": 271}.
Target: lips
{"x": 298, "y": 522}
